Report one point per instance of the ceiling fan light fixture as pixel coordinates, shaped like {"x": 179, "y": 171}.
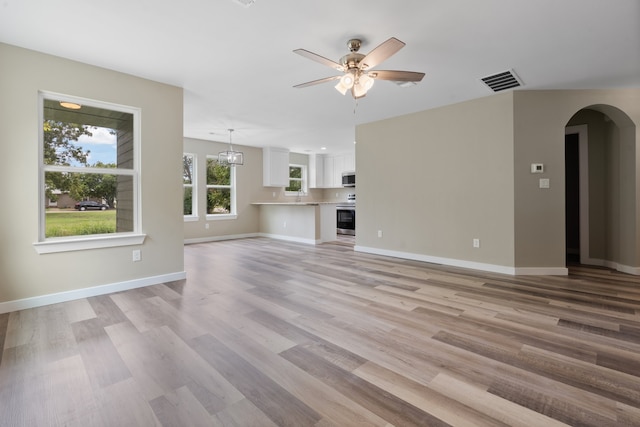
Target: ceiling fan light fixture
{"x": 362, "y": 86}
{"x": 358, "y": 77}
{"x": 347, "y": 80}
{"x": 341, "y": 88}
{"x": 366, "y": 82}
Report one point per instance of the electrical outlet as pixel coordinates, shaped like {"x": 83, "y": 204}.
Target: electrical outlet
{"x": 476, "y": 243}
{"x": 379, "y": 233}
{"x": 206, "y": 226}
{"x": 137, "y": 256}
{"x": 284, "y": 225}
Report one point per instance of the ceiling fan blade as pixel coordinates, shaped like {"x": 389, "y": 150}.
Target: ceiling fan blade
{"x": 321, "y": 59}
{"x": 398, "y": 76}
{"x": 380, "y": 53}
{"x": 316, "y": 82}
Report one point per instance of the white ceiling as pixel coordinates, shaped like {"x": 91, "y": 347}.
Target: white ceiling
{"x": 237, "y": 68}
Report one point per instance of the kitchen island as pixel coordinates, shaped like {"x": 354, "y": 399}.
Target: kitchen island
{"x": 304, "y": 222}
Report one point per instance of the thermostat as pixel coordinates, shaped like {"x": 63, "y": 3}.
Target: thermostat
{"x": 537, "y": 168}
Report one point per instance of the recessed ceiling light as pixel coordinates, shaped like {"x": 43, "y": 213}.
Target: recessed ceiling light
{"x": 323, "y": 148}
{"x": 70, "y": 105}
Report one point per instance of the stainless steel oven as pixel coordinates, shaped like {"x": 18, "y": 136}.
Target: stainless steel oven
{"x": 346, "y": 219}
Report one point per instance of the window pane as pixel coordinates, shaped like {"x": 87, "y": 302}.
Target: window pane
{"x": 294, "y": 186}
{"x": 295, "y": 172}
{"x": 187, "y": 169}
{"x": 218, "y": 200}
{"x": 86, "y": 204}
{"x": 89, "y": 136}
{"x": 188, "y": 201}
{"x": 218, "y": 174}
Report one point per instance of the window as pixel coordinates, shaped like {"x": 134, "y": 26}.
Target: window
{"x": 88, "y": 159}
{"x": 189, "y": 205}
{"x": 297, "y": 180}
{"x": 221, "y": 192}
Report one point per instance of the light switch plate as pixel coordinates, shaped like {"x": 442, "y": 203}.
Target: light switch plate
{"x": 544, "y": 182}
{"x": 537, "y": 168}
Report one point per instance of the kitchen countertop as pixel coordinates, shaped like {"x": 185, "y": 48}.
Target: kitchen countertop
{"x": 297, "y": 203}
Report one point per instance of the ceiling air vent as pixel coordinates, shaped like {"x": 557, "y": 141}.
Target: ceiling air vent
{"x": 501, "y": 81}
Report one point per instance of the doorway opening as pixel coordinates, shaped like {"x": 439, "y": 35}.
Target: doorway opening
{"x": 576, "y": 195}
{"x": 600, "y": 192}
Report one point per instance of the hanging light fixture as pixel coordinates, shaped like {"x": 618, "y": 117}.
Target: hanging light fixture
{"x": 231, "y": 157}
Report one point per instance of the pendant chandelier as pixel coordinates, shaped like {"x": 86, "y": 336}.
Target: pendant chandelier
{"x": 230, "y": 157}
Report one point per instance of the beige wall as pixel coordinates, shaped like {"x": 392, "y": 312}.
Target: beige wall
{"x": 463, "y": 171}
{"x": 24, "y": 273}
{"x": 435, "y": 180}
{"x": 540, "y": 120}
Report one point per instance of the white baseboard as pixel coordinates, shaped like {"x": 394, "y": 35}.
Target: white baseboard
{"x": 612, "y": 265}
{"x": 22, "y": 304}
{"x": 541, "y": 271}
{"x": 493, "y": 268}
{"x": 220, "y": 238}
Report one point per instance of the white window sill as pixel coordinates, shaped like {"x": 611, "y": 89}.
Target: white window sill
{"x": 190, "y": 218}
{"x": 80, "y": 243}
{"x": 221, "y": 217}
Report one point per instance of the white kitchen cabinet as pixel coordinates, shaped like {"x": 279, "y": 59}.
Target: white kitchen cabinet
{"x": 350, "y": 162}
{"x": 275, "y": 167}
{"x": 326, "y": 171}
{"x": 338, "y": 168}
{"x": 316, "y": 170}
{"x": 329, "y": 172}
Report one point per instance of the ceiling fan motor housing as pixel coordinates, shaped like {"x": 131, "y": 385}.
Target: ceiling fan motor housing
{"x": 351, "y": 60}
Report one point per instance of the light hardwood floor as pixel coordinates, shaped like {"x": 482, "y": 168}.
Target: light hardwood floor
{"x": 271, "y": 333}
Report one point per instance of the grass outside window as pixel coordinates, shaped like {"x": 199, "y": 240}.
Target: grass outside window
{"x": 75, "y": 223}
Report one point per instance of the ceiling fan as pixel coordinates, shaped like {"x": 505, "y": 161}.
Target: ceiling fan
{"x": 358, "y": 76}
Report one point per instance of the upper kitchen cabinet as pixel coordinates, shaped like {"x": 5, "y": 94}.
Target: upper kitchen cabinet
{"x": 275, "y": 167}
{"x": 329, "y": 169}
{"x": 350, "y": 162}
{"x": 316, "y": 170}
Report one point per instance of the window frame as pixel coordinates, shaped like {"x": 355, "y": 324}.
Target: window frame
{"x": 194, "y": 188}
{"x": 232, "y": 186}
{"x": 303, "y": 180}
{"x": 46, "y": 245}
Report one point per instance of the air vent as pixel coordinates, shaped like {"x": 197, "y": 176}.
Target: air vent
{"x": 502, "y": 81}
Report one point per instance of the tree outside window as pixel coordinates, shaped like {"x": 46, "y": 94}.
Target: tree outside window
{"x": 297, "y": 179}
{"x": 87, "y": 155}
{"x": 220, "y": 188}
{"x": 189, "y": 207}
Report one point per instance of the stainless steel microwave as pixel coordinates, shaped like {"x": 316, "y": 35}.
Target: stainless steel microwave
{"x": 348, "y": 179}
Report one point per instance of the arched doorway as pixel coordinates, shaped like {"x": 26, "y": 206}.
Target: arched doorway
{"x": 600, "y": 191}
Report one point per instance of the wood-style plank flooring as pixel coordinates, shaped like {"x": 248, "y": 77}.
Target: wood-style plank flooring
{"x": 271, "y": 333}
